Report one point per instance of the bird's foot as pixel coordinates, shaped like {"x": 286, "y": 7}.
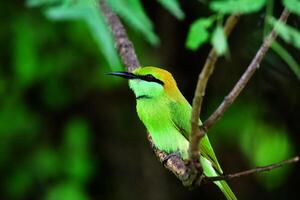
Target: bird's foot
{"x": 165, "y": 160}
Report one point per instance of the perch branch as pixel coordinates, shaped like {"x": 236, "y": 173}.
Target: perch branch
{"x": 203, "y": 78}
{"x": 174, "y": 164}
{"x": 254, "y": 65}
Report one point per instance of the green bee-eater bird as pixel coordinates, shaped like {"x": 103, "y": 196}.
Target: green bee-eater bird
{"x": 166, "y": 114}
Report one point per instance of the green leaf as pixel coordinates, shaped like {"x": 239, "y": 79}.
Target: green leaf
{"x": 25, "y": 122}
{"x": 286, "y": 32}
{"x": 19, "y": 183}
{"x": 284, "y": 54}
{"x": 292, "y": 5}
{"x": 219, "y": 41}
{"x": 198, "y": 33}
{"x": 67, "y": 190}
{"x": 77, "y": 11}
{"x": 133, "y": 13}
{"x": 77, "y": 164}
{"x": 269, "y": 13}
{"x": 55, "y": 94}
{"x": 88, "y": 11}
{"x": 34, "y": 3}
{"x": 174, "y": 7}
{"x": 45, "y": 163}
{"x": 77, "y": 135}
{"x": 25, "y": 52}
{"x": 237, "y": 6}
{"x": 104, "y": 38}
{"x": 262, "y": 153}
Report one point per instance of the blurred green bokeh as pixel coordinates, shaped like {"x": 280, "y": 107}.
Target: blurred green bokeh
{"x": 261, "y": 142}
{"x": 68, "y": 132}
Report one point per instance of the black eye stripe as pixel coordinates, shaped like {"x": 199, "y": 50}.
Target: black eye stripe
{"x": 150, "y": 78}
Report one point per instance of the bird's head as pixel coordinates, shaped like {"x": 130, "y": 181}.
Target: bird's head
{"x": 150, "y": 82}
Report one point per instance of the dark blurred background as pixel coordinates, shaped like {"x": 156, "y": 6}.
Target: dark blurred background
{"x": 68, "y": 132}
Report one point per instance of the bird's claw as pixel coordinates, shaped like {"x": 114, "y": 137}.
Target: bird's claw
{"x": 165, "y": 160}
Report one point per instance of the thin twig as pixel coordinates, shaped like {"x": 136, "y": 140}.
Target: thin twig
{"x": 254, "y": 65}
{"x": 251, "y": 171}
{"x": 123, "y": 44}
{"x": 203, "y": 78}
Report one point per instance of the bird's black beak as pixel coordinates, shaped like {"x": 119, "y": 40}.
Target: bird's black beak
{"x": 126, "y": 75}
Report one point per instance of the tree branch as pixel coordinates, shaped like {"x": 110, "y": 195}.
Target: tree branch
{"x": 254, "y": 65}
{"x": 251, "y": 171}
{"x": 123, "y": 44}
{"x": 203, "y": 78}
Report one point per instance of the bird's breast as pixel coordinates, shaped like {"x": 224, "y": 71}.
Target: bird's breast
{"x": 156, "y": 116}
{"x": 151, "y": 111}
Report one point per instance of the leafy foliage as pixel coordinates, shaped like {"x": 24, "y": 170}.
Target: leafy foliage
{"x": 38, "y": 59}
{"x": 289, "y": 35}
{"x": 66, "y": 191}
{"x": 87, "y": 11}
{"x": 286, "y": 56}
{"x": 174, "y": 7}
{"x": 199, "y": 34}
{"x": 262, "y": 152}
{"x": 292, "y": 5}
{"x": 132, "y": 11}
{"x": 237, "y": 6}
{"x": 25, "y": 53}
{"x": 219, "y": 40}
{"x": 286, "y": 32}
{"x": 243, "y": 126}
{"x": 32, "y": 3}
{"x": 77, "y": 164}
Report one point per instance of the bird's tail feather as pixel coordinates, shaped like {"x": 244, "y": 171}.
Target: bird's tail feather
{"x": 224, "y": 187}
{"x": 210, "y": 171}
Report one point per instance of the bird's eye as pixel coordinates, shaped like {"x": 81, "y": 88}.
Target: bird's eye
{"x": 149, "y": 77}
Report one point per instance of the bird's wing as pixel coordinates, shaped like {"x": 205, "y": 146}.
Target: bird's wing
{"x": 181, "y": 115}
